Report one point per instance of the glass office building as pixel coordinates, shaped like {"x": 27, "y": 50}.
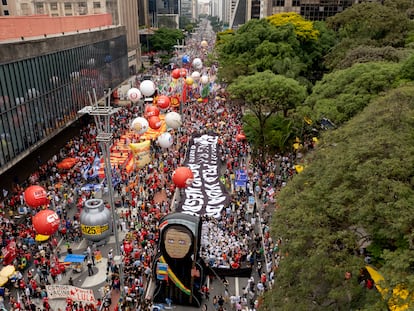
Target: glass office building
{"x": 42, "y": 94}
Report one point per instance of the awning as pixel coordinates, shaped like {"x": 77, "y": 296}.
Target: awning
{"x": 74, "y": 258}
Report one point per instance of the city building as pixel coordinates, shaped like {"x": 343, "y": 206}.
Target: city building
{"x": 128, "y": 17}
{"x": 45, "y": 77}
{"x": 311, "y": 9}
{"x": 189, "y": 9}
{"x": 237, "y": 12}
{"x": 124, "y": 12}
{"x": 54, "y": 8}
{"x": 166, "y": 13}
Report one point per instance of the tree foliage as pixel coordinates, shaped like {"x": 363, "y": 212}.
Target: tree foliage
{"x": 407, "y": 69}
{"x": 384, "y": 25}
{"x": 368, "y": 24}
{"x": 304, "y": 29}
{"x": 215, "y": 23}
{"x": 366, "y": 54}
{"x": 278, "y": 132}
{"x": 259, "y": 45}
{"x": 359, "y": 178}
{"x": 342, "y": 94}
{"x": 266, "y": 94}
{"x": 164, "y": 39}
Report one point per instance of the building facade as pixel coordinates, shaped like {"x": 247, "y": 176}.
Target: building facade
{"x": 128, "y": 17}
{"x": 44, "y": 83}
{"x": 124, "y": 12}
{"x": 53, "y": 8}
{"x": 189, "y": 9}
{"x": 314, "y": 10}
{"x": 238, "y": 12}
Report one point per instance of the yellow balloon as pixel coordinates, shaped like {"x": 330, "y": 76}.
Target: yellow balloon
{"x": 199, "y": 100}
{"x": 189, "y": 81}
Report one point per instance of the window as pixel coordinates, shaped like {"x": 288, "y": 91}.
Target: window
{"x": 68, "y": 6}
{"x": 295, "y": 2}
{"x": 278, "y": 2}
{"x": 4, "y": 2}
{"x": 39, "y": 8}
{"x": 82, "y": 8}
{"x": 6, "y": 12}
{"x": 96, "y": 5}
{"x": 53, "y": 6}
{"x": 25, "y": 8}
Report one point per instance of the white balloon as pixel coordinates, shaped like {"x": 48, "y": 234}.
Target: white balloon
{"x": 140, "y": 125}
{"x": 134, "y": 94}
{"x": 196, "y": 75}
{"x": 204, "y": 79}
{"x": 197, "y": 63}
{"x": 165, "y": 140}
{"x": 147, "y": 87}
{"x": 173, "y": 120}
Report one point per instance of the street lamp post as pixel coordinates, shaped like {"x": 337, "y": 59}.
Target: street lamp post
{"x": 101, "y": 112}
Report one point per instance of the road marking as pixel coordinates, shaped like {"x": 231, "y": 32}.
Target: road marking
{"x": 81, "y": 244}
{"x": 236, "y": 286}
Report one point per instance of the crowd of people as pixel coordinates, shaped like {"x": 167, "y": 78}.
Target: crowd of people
{"x": 145, "y": 194}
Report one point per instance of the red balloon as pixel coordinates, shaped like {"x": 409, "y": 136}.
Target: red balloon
{"x": 46, "y": 222}
{"x": 240, "y": 137}
{"x": 35, "y": 196}
{"x": 182, "y": 177}
{"x": 154, "y": 122}
{"x": 175, "y": 73}
{"x": 183, "y": 72}
{"x": 163, "y": 101}
{"x": 151, "y": 110}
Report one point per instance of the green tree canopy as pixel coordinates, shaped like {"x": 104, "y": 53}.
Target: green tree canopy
{"x": 360, "y": 178}
{"x": 342, "y": 94}
{"x": 279, "y": 133}
{"x": 369, "y": 24}
{"x": 407, "y": 69}
{"x": 265, "y": 94}
{"x": 215, "y": 23}
{"x": 260, "y": 45}
{"x": 164, "y": 39}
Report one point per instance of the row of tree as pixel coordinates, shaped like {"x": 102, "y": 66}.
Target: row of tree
{"x": 355, "y": 196}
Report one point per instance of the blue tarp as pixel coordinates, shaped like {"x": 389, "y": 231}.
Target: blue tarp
{"x": 74, "y": 258}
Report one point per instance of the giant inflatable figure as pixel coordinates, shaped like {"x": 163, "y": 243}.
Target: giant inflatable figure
{"x": 178, "y": 268}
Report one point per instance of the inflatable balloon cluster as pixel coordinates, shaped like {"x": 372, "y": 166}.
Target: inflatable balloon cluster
{"x": 153, "y": 119}
{"x": 146, "y": 88}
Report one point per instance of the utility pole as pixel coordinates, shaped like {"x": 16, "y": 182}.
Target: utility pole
{"x": 102, "y": 113}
